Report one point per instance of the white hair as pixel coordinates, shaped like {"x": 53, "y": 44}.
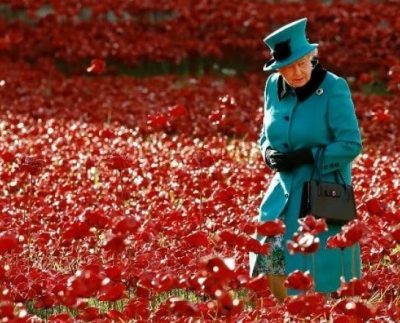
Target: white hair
{"x": 313, "y": 54}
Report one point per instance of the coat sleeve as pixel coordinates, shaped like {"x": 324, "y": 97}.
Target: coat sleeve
{"x": 343, "y": 124}
{"x": 263, "y": 142}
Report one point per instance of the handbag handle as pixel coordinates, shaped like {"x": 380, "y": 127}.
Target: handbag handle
{"x": 317, "y": 163}
{"x": 320, "y": 162}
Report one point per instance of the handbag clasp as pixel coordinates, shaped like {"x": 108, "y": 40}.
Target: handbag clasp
{"x": 332, "y": 193}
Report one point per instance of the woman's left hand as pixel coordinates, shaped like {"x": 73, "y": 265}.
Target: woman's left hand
{"x": 285, "y": 162}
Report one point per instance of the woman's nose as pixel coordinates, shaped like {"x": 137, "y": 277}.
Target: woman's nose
{"x": 297, "y": 70}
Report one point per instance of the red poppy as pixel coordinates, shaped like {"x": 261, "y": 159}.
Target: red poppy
{"x": 227, "y": 102}
{"x": 228, "y": 236}
{"x": 97, "y": 66}
{"x": 227, "y": 305}
{"x": 249, "y": 227}
{"x": 85, "y": 283}
{"x": 259, "y": 285}
{"x": 75, "y": 230}
{"x": 299, "y": 280}
{"x": 355, "y": 287}
{"x": 115, "y": 243}
{"x": 31, "y": 165}
{"x": 8, "y": 156}
{"x": 90, "y": 163}
{"x": 118, "y": 161}
{"x": 310, "y": 304}
{"x": 224, "y": 194}
{"x": 364, "y": 78}
{"x": 89, "y": 314}
{"x": 113, "y": 272}
{"x": 115, "y": 315}
{"x": 95, "y": 218}
{"x": 350, "y": 234}
{"x": 137, "y": 308}
{"x": 353, "y": 232}
{"x": 8, "y": 242}
{"x": 337, "y": 241}
{"x": 395, "y": 233}
{"x": 7, "y": 310}
{"x": 271, "y": 228}
{"x": 61, "y": 317}
{"x": 216, "y": 116}
{"x": 177, "y": 111}
{"x": 304, "y": 243}
{"x": 223, "y": 267}
{"x": 112, "y": 292}
{"x": 182, "y": 307}
{"x": 197, "y": 239}
{"x": 125, "y": 224}
{"x": 256, "y": 246}
{"x": 203, "y": 159}
{"x": 374, "y": 206}
{"x": 157, "y": 120}
{"x": 359, "y": 310}
{"x": 11, "y": 38}
{"x": 166, "y": 282}
{"x": 312, "y": 225}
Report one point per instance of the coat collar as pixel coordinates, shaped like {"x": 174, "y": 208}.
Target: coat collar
{"x": 317, "y": 76}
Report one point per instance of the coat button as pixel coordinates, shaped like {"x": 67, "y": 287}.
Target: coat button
{"x": 286, "y": 118}
{"x": 286, "y": 195}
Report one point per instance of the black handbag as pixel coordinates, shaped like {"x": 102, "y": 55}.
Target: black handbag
{"x": 332, "y": 201}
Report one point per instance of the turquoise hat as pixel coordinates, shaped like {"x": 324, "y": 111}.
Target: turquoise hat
{"x": 288, "y": 44}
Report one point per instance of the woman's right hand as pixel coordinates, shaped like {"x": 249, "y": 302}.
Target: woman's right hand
{"x": 285, "y": 162}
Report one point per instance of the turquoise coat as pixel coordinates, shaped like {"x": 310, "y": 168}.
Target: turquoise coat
{"x": 325, "y": 118}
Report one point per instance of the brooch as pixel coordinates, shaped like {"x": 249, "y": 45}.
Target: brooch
{"x": 319, "y": 91}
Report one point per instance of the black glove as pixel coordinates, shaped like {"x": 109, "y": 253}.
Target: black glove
{"x": 267, "y": 158}
{"x": 285, "y": 162}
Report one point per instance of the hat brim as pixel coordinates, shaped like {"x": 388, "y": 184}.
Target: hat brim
{"x": 274, "y": 65}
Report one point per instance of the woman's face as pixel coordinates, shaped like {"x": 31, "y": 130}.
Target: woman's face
{"x": 298, "y": 73}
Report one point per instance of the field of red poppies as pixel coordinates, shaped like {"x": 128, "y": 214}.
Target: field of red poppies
{"x": 129, "y": 169}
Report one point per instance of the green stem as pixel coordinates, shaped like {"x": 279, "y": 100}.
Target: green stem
{"x": 343, "y": 267}
{"x": 108, "y": 121}
{"x": 353, "y": 265}
{"x": 305, "y": 268}
{"x": 122, "y": 188}
{"x": 313, "y": 267}
{"x": 201, "y": 197}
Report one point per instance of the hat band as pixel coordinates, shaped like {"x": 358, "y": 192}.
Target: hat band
{"x": 282, "y": 51}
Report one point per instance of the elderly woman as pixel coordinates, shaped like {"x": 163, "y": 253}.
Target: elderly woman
{"x": 305, "y": 108}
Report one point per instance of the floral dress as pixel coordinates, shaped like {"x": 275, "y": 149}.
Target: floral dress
{"x": 272, "y": 263}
